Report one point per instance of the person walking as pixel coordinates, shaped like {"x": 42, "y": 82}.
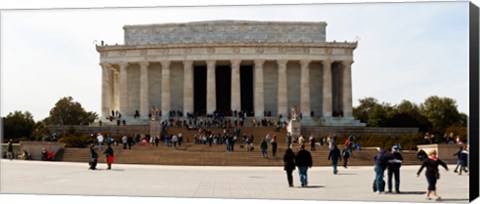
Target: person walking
{"x": 393, "y": 169}
{"x": 345, "y": 156}
{"x": 109, "y": 155}
{"x": 432, "y": 173}
{"x": 463, "y": 161}
{"x": 93, "y": 158}
{"x": 460, "y": 149}
{"x": 289, "y": 165}
{"x": 334, "y": 156}
{"x": 303, "y": 161}
{"x": 124, "y": 141}
{"x": 10, "y": 150}
{"x": 274, "y": 146}
{"x": 264, "y": 147}
{"x": 289, "y": 140}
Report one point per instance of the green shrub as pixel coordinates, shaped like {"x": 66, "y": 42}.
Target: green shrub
{"x": 78, "y": 141}
{"x": 407, "y": 142}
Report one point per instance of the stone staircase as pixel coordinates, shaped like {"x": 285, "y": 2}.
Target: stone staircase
{"x": 200, "y": 154}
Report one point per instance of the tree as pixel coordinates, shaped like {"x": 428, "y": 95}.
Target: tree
{"x": 407, "y": 114}
{"x": 361, "y": 111}
{"x": 69, "y": 112}
{"x": 18, "y": 124}
{"x": 441, "y": 113}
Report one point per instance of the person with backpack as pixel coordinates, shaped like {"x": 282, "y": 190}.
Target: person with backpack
{"x": 381, "y": 160}
{"x": 334, "y": 155}
{"x": 345, "y": 156}
{"x": 93, "y": 158}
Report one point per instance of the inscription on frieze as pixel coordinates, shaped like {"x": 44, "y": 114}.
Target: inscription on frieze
{"x": 225, "y": 31}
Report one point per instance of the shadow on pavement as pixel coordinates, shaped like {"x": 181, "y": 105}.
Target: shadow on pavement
{"x": 411, "y": 193}
{"x": 314, "y": 186}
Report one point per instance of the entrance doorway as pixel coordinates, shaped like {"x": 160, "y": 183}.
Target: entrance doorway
{"x": 223, "y": 88}
{"x": 246, "y": 89}
{"x": 200, "y": 90}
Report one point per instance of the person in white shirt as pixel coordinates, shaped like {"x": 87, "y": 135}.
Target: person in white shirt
{"x": 100, "y": 141}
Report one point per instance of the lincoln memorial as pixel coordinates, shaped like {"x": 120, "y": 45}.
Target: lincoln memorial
{"x": 257, "y": 67}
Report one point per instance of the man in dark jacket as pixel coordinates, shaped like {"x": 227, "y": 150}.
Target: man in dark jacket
{"x": 334, "y": 155}
{"x": 393, "y": 168}
{"x": 304, "y": 161}
{"x": 380, "y": 165}
{"x": 93, "y": 158}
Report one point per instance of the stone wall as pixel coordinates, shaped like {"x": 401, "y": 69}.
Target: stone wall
{"x": 225, "y": 31}
{"x": 112, "y": 129}
{"x": 342, "y": 130}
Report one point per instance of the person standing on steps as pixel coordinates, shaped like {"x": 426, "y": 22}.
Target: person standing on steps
{"x": 263, "y": 147}
{"x": 303, "y": 161}
{"x": 289, "y": 165}
{"x": 274, "y": 146}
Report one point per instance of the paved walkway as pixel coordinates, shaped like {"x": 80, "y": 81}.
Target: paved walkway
{"x": 354, "y": 183}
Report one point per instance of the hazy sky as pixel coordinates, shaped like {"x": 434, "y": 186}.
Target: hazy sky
{"x": 406, "y": 50}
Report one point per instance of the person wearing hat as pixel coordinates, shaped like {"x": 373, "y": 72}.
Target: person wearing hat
{"x": 393, "y": 169}
{"x": 432, "y": 173}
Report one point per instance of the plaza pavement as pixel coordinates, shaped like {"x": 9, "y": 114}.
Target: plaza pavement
{"x": 352, "y": 184}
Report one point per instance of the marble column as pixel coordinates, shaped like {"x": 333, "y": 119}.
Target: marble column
{"x": 165, "y": 88}
{"x": 305, "y": 88}
{"x": 327, "y": 89}
{"x": 347, "y": 89}
{"x": 188, "y": 87}
{"x": 144, "y": 106}
{"x": 116, "y": 90}
{"x": 235, "y": 97}
{"x": 211, "y": 92}
{"x": 259, "y": 104}
{"x": 106, "y": 92}
{"x": 123, "y": 88}
{"x": 282, "y": 88}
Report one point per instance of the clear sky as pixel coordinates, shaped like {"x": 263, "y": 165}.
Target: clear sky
{"x": 405, "y": 50}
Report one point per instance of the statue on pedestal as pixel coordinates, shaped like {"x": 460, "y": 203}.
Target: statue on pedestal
{"x": 294, "y": 112}
{"x": 154, "y": 111}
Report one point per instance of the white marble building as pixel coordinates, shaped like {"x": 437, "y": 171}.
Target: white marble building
{"x": 254, "y": 66}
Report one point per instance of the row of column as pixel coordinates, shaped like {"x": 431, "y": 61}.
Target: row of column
{"x": 110, "y": 92}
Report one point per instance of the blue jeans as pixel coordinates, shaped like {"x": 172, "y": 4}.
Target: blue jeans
{"x": 302, "y": 172}
{"x": 264, "y": 153}
{"x": 334, "y": 164}
{"x": 379, "y": 178}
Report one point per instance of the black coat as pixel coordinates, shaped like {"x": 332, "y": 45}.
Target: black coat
{"x": 304, "y": 158}
{"x": 334, "y": 154}
{"x": 289, "y": 162}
